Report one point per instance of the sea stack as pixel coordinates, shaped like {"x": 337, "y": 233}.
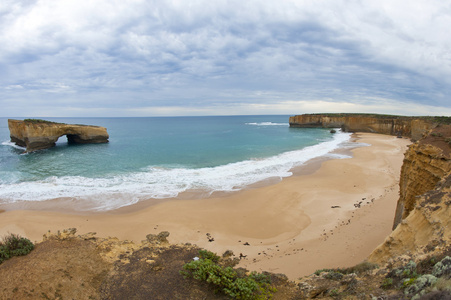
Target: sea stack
{"x": 40, "y": 134}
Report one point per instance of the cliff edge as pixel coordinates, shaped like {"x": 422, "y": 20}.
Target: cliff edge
{"x": 412, "y": 127}
{"x": 39, "y": 134}
{"x": 422, "y": 222}
{"x": 425, "y": 164}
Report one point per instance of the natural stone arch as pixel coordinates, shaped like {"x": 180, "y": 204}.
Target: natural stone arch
{"x": 39, "y": 134}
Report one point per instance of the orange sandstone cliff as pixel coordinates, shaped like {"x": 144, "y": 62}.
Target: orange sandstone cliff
{"x": 425, "y": 164}
{"x": 39, "y": 134}
{"x": 422, "y": 223}
{"x": 411, "y": 127}
{"x": 423, "y": 217}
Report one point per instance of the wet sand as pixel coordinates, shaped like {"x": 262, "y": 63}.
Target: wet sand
{"x": 331, "y": 216}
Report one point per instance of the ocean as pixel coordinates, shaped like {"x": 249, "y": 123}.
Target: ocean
{"x": 159, "y": 158}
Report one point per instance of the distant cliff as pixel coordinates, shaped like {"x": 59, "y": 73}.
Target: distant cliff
{"x": 39, "y": 134}
{"x": 412, "y": 127}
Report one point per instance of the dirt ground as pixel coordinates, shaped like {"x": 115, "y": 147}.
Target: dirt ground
{"x": 65, "y": 266}
{"x": 89, "y": 268}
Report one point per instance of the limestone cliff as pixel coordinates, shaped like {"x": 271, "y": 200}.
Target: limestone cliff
{"x": 425, "y": 163}
{"x": 39, "y": 134}
{"x": 423, "y": 217}
{"x": 411, "y": 127}
{"x": 427, "y": 229}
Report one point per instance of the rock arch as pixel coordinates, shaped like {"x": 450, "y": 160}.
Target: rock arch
{"x": 39, "y": 134}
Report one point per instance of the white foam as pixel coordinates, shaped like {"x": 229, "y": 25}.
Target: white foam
{"x": 160, "y": 183}
{"x": 11, "y": 144}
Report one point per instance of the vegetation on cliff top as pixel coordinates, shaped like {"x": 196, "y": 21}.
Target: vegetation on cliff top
{"x": 14, "y": 245}
{"x": 434, "y": 119}
{"x": 40, "y": 121}
{"x": 37, "y": 121}
{"x": 115, "y": 269}
{"x": 226, "y": 279}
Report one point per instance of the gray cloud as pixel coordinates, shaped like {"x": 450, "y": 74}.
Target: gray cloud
{"x": 201, "y": 57}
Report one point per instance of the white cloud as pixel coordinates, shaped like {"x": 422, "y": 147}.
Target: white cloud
{"x": 14, "y": 87}
{"x": 200, "y": 55}
{"x": 410, "y": 35}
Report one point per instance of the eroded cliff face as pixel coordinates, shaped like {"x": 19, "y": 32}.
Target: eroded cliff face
{"x": 423, "y": 217}
{"x": 402, "y": 126}
{"x": 42, "y": 135}
{"x": 425, "y": 164}
{"x": 426, "y": 229}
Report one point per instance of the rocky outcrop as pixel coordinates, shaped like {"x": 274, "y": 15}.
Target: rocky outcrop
{"x": 411, "y": 127}
{"x": 39, "y": 134}
{"x": 422, "y": 221}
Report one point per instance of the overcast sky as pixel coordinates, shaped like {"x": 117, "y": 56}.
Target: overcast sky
{"x": 169, "y": 58}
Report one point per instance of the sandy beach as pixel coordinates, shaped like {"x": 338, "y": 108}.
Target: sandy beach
{"x": 332, "y": 217}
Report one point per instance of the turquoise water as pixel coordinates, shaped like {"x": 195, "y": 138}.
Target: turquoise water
{"x": 160, "y": 158}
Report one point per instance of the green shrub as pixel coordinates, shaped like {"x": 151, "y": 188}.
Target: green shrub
{"x": 14, "y": 245}
{"x": 442, "y": 268}
{"x": 387, "y": 283}
{"x": 334, "y": 293}
{"x": 35, "y": 121}
{"x": 357, "y": 269}
{"x": 226, "y": 280}
{"x": 420, "y": 284}
{"x": 205, "y": 254}
{"x": 318, "y": 272}
{"x": 259, "y": 277}
{"x": 360, "y": 268}
{"x": 408, "y": 282}
{"x": 332, "y": 275}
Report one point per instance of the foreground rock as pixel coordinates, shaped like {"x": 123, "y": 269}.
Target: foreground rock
{"x": 40, "y": 134}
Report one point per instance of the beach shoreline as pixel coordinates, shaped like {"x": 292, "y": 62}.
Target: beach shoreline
{"x": 83, "y": 205}
{"x": 331, "y": 216}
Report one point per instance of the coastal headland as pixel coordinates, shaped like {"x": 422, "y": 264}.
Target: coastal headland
{"x": 411, "y": 127}
{"x": 334, "y": 215}
{"x": 35, "y": 134}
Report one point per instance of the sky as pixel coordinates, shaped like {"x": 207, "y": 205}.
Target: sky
{"x": 114, "y": 58}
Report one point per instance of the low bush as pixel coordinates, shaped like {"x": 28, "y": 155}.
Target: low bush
{"x": 387, "y": 283}
{"x": 14, "y": 245}
{"x": 205, "y": 254}
{"x": 226, "y": 279}
{"x": 357, "y": 269}
{"x": 36, "y": 121}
